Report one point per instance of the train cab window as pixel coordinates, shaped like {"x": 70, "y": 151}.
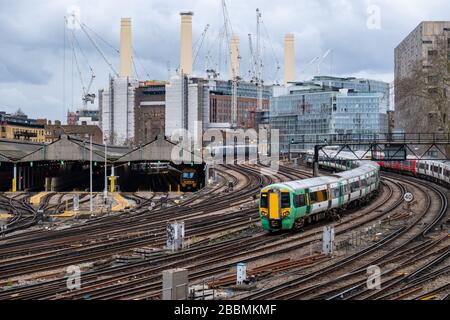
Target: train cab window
{"x": 319, "y": 196}
{"x": 285, "y": 200}
{"x": 188, "y": 175}
{"x": 264, "y": 203}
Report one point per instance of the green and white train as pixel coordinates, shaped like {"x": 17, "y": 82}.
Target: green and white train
{"x": 291, "y": 205}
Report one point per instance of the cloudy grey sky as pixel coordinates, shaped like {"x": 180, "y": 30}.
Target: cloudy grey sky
{"x": 32, "y": 51}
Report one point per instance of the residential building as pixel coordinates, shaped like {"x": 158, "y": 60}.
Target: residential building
{"x": 419, "y": 59}
{"x": 82, "y": 132}
{"x": 19, "y": 127}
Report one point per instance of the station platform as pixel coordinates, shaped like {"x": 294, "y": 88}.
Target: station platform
{"x": 120, "y": 203}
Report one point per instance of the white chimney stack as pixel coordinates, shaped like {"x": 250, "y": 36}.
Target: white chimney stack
{"x": 289, "y": 58}
{"x": 125, "y": 48}
{"x": 186, "y": 43}
{"x": 234, "y": 59}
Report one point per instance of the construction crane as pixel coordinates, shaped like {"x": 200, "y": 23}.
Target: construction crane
{"x": 87, "y": 97}
{"x": 321, "y": 60}
{"x": 201, "y": 40}
{"x": 234, "y": 81}
{"x": 252, "y": 71}
{"x": 258, "y": 61}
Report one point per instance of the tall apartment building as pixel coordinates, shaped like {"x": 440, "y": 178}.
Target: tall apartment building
{"x": 327, "y": 106}
{"x": 417, "y": 54}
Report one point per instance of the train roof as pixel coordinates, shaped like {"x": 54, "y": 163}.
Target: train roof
{"x": 366, "y": 167}
{"x": 305, "y": 183}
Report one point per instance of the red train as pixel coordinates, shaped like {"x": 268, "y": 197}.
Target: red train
{"x": 408, "y": 166}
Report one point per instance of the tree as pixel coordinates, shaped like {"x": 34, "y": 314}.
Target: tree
{"x": 423, "y": 96}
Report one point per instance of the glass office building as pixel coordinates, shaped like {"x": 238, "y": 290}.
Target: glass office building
{"x": 307, "y": 112}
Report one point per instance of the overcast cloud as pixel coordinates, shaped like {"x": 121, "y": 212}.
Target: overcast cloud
{"x": 32, "y": 41}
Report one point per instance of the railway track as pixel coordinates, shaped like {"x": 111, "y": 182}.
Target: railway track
{"x": 208, "y": 256}
{"x": 310, "y": 286}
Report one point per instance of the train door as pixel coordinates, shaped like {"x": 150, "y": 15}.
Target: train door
{"x": 336, "y": 195}
{"x": 355, "y": 189}
{"x": 319, "y": 199}
{"x": 274, "y": 205}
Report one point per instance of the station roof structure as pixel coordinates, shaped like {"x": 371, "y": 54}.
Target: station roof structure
{"x": 160, "y": 149}
{"x": 68, "y": 148}
{"x": 14, "y": 150}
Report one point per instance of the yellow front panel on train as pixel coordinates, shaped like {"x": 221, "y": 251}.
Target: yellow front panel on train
{"x": 273, "y": 205}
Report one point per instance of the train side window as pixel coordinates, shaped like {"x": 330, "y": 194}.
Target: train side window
{"x": 336, "y": 192}
{"x": 346, "y": 188}
{"x": 285, "y": 200}
{"x": 299, "y": 200}
{"x": 319, "y": 196}
{"x": 354, "y": 186}
{"x": 264, "y": 203}
{"x": 440, "y": 170}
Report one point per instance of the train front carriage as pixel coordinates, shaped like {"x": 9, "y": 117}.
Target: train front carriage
{"x": 276, "y": 208}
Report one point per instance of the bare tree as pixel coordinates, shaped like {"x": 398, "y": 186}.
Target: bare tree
{"x": 423, "y": 97}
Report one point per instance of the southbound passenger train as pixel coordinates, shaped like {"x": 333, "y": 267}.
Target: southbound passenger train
{"x": 290, "y": 205}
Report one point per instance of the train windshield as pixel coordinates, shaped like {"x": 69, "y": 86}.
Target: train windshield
{"x": 188, "y": 175}
{"x": 264, "y": 201}
{"x": 285, "y": 200}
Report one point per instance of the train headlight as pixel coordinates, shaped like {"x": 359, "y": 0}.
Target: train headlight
{"x": 286, "y": 214}
{"x": 264, "y": 214}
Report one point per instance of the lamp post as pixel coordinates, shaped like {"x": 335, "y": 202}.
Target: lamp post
{"x": 105, "y": 192}
{"x": 91, "y": 205}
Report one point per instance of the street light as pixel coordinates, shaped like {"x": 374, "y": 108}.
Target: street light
{"x": 91, "y": 205}
{"x": 105, "y": 192}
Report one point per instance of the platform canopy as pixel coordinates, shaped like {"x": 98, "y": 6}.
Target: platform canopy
{"x": 67, "y": 148}
{"x": 160, "y": 150}
{"x": 13, "y": 150}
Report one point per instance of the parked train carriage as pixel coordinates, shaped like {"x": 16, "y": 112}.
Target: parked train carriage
{"x": 434, "y": 170}
{"x": 290, "y": 205}
{"x": 189, "y": 179}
